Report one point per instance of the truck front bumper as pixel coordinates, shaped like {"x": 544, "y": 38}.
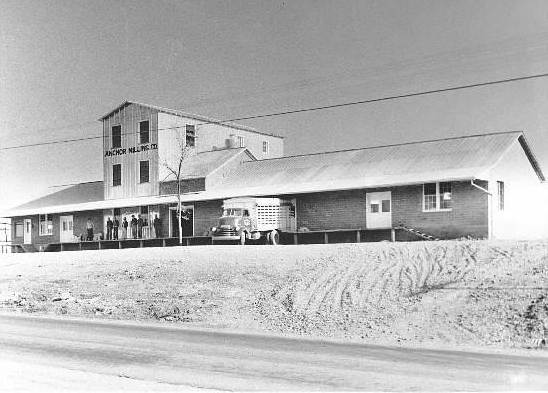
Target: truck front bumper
{"x": 221, "y": 238}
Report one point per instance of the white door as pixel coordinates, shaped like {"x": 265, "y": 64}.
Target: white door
{"x": 27, "y": 232}
{"x": 66, "y": 225}
{"x": 378, "y": 210}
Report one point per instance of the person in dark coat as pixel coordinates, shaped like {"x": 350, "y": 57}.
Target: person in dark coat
{"x": 157, "y": 223}
{"x": 109, "y": 229}
{"x": 89, "y": 229}
{"x": 133, "y": 226}
{"x": 139, "y": 226}
{"x": 115, "y": 227}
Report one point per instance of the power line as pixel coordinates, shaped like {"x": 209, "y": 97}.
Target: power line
{"x": 303, "y": 110}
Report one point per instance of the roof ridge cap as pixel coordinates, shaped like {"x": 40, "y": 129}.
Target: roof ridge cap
{"x": 394, "y": 144}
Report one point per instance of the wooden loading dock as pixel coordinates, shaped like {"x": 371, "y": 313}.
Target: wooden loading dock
{"x": 288, "y": 238}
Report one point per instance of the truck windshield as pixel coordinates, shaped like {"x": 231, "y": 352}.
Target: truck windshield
{"x": 232, "y": 212}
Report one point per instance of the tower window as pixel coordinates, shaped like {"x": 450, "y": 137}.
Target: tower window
{"x": 190, "y": 135}
{"x": 144, "y": 131}
{"x": 116, "y": 136}
{"x": 144, "y": 174}
{"x": 117, "y": 175}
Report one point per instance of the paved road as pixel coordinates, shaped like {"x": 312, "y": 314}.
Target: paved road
{"x": 178, "y": 357}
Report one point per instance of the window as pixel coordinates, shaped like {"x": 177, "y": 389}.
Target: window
{"x": 46, "y": 225}
{"x": 374, "y": 207}
{"x": 190, "y": 135}
{"x": 144, "y": 132}
{"x": 385, "y": 206}
{"x": 437, "y": 196}
{"x": 116, "y": 136}
{"x": 117, "y": 212}
{"x": 143, "y": 172}
{"x": 117, "y": 175}
{"x": 241, "y": 141}
{"x": 265, "y": 147}
{"x": 445, "y": 195}
{"x": 19, "y": 229}
{"x": 500, "y": 192}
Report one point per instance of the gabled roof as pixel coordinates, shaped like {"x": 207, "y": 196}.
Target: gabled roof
{"x": 176, "y": 112}
{"x": 463, "y": 158}
{"x": 204, "y": 163}
{"x": 459, "y": 158}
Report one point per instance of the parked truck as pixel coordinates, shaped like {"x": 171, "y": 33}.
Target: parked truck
{"x": 253, "y": 218}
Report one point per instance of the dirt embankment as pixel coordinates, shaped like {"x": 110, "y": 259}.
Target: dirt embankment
{"x": 458, "y": 293}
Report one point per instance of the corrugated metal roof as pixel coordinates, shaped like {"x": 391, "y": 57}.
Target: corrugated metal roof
{"x": 412, "y": 163}
{"x": 202, "y": 164}
{"x": 78, "y": 193}
{"x": 464, "y": 157}
{"x": 191, "y": 116}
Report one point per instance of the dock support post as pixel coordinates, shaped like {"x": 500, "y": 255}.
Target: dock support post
{"x": 163, "y": 242}
{"x": 99, "y": 244}
{"x": 140, "y": 244}
{"x": 325, "y": 238}
{"x": 358, "y": 236}
{"x": 80, "y": 246}
{"x": 187, "y": 242}
{"x": 119, "y": 244}
{"x": 61, "y": 248}
{"x": 295, "y": 238}
{"x": 393, "y": 235}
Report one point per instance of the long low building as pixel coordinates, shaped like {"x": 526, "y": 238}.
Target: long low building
{"x": 480, "y": 186}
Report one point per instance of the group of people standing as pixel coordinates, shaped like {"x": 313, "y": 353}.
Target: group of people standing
{"x": 117, "y": 230}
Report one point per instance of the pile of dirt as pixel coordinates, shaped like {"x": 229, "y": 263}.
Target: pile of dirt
{"x": 453, "y": 292}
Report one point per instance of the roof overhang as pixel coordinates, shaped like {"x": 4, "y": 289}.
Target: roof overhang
{"x": 267, "y": 190}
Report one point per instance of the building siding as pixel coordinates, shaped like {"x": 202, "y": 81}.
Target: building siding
{"x": 206, "y": 215}
{"x": 129, "y": 117}
{"x": 347, "y": 210}
{"x": 187, "y": 185}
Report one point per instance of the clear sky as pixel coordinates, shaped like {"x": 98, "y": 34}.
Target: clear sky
{"x": 63, "y": 64}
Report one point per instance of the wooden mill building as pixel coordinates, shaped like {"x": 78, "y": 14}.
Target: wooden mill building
{"x": 473, "y": 186}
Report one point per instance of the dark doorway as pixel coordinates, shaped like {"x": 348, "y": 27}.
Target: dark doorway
{"x": 187, "y": 222}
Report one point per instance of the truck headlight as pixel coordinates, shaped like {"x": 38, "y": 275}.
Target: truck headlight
{"x": 213, "y": 229}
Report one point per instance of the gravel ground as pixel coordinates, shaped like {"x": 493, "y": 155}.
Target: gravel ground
{"x": 455, "y": 293}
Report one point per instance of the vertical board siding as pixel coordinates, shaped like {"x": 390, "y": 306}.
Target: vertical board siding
{"x": 129, "y": 117}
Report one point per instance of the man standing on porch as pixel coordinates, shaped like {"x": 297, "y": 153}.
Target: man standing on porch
{"x": 109, "y": 229}
{"x": 133, "y": 227}
{"x": 124, "y": 228}
{"x": 116, "y": 226}
{"x": 157, "y": 223}
{"x": 140, "y": 224}
{"x": 89, "y": 228}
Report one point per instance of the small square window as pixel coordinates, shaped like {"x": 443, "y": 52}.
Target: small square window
{"x": 375, "y": 207}
{"x": 46, "y": 224}
{"x": 144, "y": 132}
{"x": 190, "y": 135}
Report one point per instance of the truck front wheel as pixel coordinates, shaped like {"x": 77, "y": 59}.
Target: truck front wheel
{"x": 274, "y": 237}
